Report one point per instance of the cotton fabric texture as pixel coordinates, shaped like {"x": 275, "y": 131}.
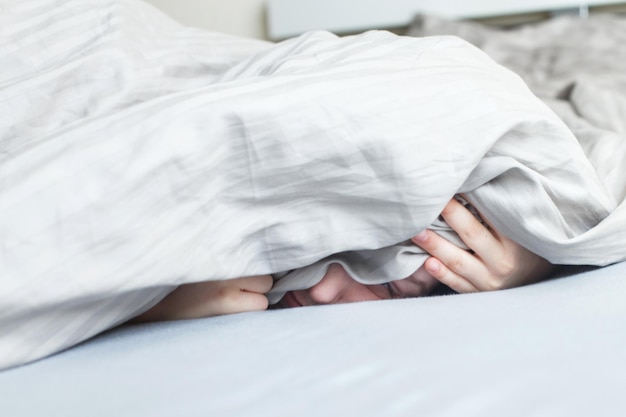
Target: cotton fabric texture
{"x": 140, "y": 155}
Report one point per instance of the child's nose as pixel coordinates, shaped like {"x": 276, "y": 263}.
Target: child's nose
{"x": 331, "y": 289}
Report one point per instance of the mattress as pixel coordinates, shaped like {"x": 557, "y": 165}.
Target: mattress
{"x": 550, "y": 349}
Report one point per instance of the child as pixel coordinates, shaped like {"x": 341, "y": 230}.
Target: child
{"x": 494, "y": 262}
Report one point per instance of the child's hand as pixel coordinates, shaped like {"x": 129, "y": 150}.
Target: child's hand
{"x": 497, "y": 262}
{"x": 212, "y": 298}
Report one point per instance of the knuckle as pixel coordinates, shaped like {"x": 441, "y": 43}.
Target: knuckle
{"x": 266, "y": 283}
{"x": 495, "y": 284}
{"x": 507, "y": 267}
{"x": 473, "y": 232}
{"x": 456, "y": 264}
{"x": 451, "y": 208}
{"x": 227, "y": 295}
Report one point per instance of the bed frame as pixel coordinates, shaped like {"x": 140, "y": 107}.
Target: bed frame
{"x": 287, "y": 18}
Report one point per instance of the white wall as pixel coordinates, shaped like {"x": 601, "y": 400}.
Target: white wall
{"x": 292, "y": 17}
{"x": 237, "y": 17}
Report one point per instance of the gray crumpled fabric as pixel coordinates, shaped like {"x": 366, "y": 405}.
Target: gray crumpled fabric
{"x": 577, "y": 66}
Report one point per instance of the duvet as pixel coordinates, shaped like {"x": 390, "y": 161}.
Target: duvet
{"x": 137, "y": 155}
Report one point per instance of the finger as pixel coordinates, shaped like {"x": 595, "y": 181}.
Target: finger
{"x": 258, "y": 283}
{"x": 448, "y": 277}
{"x": 472, "y": 232}
{"x": 238, "y": 301}
{"x": 220, "y": 300}
{"x": 456, "y": 259}
{"x": 213, "y": 298}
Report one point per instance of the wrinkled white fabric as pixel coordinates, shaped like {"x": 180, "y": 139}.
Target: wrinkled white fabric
{"x": 137, "y": 155}
{"x": 577, "y": 67}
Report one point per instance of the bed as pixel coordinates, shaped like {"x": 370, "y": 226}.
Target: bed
{"x": 552, "y": 348}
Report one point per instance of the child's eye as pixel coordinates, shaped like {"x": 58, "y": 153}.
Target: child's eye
{"x": 390, "y": 289}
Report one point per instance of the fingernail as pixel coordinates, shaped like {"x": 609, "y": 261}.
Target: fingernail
{"x": 432, "y": 266}
{"x": 421, "y": 237}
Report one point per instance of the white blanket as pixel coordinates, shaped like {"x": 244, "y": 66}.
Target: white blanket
{"x": 137, "y": 155}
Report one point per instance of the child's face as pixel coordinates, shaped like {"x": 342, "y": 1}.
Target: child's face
{"x": 337, "y": 287}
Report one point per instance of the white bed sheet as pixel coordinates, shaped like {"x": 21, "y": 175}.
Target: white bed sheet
{"x": 554, "y": 349}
